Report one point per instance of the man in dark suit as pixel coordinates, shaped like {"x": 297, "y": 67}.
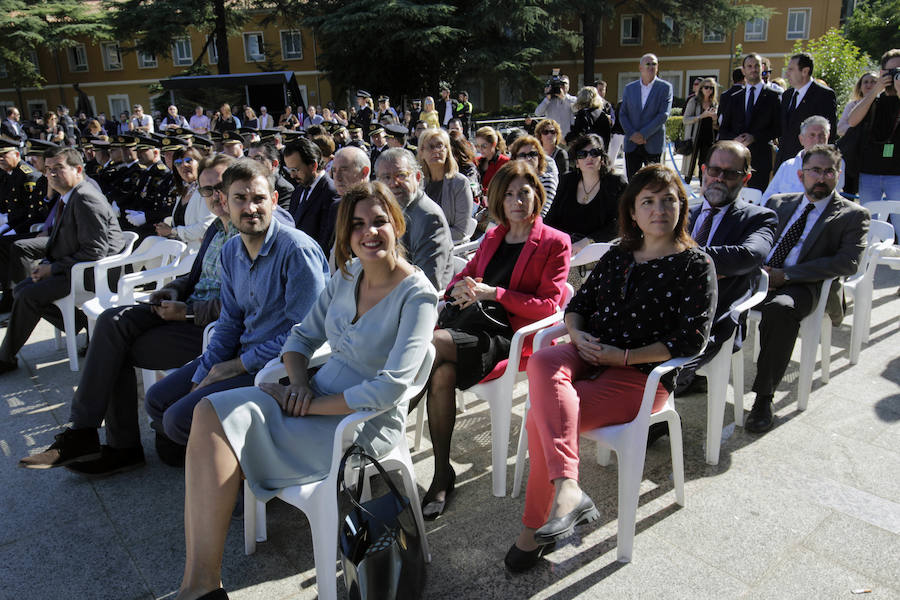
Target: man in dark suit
{"x": 314, "y": 201}
{"x": 820, "y": 235}
{"x": 646, "y": 104}
{"x": 735, "y": 234}
{"x": 750, "y": 116}
{"x": 86, "y": 229}
{"x": 803, "y": 99}
{"x": 445, "y": 105}
{"x": 11, "y": 127}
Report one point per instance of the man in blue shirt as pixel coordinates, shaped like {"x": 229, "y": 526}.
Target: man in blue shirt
{"x": 271, "y": 277}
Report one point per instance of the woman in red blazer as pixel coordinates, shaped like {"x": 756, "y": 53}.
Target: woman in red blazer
{"x": 521, "y": 264}
{"x": 491, "y": 154}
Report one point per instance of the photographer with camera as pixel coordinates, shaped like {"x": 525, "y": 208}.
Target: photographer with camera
{"x": 557, "y": 103}
{"x": 878, "y": 114}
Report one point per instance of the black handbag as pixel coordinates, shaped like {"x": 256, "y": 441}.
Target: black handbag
{"x": 684, "y": 147}
{"x": 381, "y": 547}
{"x": 481, "y": 316}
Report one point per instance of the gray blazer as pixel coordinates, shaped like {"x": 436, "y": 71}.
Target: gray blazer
{"x": 427, "y": 240}
{"x": 88, "y": 230}
{"x": 456, "y": 202}
{"x": 833, "y": 247}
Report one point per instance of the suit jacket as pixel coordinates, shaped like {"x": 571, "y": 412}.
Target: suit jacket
{"x": 441, "y": 107}
{"x": 763, "y": 125}
{"x": 738, "y": 248}
{"x": 8, "y": 129}
{"x": 87, "y": 230}
{"x": 427, "y": 239}
{"x": 538, "y": 281}
{"x": 833, "y": 247}
{"x": 649, "y": 121}
{"x": 315, "y": 216}
{"x": 818, "y": 100}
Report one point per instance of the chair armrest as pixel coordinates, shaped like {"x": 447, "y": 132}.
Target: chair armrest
{"x": 275, "y": 369}
{"x": 762, "y": 291}
{"x": 543, "y": 338}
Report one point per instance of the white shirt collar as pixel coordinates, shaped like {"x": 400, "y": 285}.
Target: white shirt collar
{"x": 802, "y": 91}
{"x": 648, "y": 85}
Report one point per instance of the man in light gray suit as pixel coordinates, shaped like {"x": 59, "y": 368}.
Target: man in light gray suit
{"x": 427, "y": 239}
{"x": 646, "y": 104}
{"x": 820, "y": 235}
{"x": 84, "y": 229}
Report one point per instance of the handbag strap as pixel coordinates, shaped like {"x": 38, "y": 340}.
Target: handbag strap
{"x": 356, "y": 450}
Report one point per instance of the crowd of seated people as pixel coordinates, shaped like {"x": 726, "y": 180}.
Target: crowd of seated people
{"x": 361, "y": 253}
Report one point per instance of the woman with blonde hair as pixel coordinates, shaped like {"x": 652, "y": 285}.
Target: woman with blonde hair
{"x": 429, "y": 114}
{"x": 590, "y": 117}
{"x": 865, "y": 83}
{"x": 445, "y": 184}
{"x": 700, "y": 125}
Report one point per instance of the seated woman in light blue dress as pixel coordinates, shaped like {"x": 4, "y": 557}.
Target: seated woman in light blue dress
{"x": 377, "y": 314}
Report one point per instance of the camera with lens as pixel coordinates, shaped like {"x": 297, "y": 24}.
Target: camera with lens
{"x": 555, "y": 84}
{"x": 893, "y": 72}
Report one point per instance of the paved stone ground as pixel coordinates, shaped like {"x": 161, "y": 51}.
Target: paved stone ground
{"x": 810, "y": 510}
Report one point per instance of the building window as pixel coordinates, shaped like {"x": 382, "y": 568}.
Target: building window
{"x": 291, "y": 45}
{"x": 33, "y": 57}
{"x": 669, "y": 32}
{"x": 711, "y": 36}
{"x": 112, "y": 57}
{"x": 675, "y": 78}
{"x": 118, "y": 104}
{"x": 632, "y": 30}
{"x": 78, "y": 58}
{"x": 212, "y": 51}
{"x": 182, "y": 54}
{"x": 798, "y": 23}
{"x": 625, "y": 79}
{"x": 756, "y": 30}
{"x": 254, "y": 47}
{"x": 146, "y": 60}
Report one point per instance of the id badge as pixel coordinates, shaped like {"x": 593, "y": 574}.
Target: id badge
{"x": 888, "y": 151}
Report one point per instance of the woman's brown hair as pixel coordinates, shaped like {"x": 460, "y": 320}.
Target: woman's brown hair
{"x": 368, "y": 190}
{"x": 501, "y": 181}
{"x": 655, "y": 178}
{"x": 180, "y": 187}
{"x": 490, "y": 134}
{"x": 527, "y": 140}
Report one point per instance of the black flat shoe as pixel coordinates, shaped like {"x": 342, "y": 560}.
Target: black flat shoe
{"x": 760, "y": 419}
{"x": 219, "y": 594}
{"x": 519, "y": 561}
{"x": 432, "y": 509}
{"x": 562, "y": 527}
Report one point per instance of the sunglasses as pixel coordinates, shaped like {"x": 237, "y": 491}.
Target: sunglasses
{"x": 707, "y": 87}
{"x": 729, "y": 174}
{"x": 548, "y": 132}
{"x": 183, "y": 161}
{"x": 595, "y": 152}
{"x": 527, "y": 155}
{"x": 208, "y": 190}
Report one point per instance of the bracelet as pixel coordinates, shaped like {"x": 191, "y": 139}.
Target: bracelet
{"x": 625, "y": 363}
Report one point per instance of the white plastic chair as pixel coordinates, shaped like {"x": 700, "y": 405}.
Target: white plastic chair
{"x": 465, "y": 249}
{"x": 882, "y": 210}
{"x": 317, "y": 499}
{"x": 814, "y": 329}
{"x": 751, "y": 195}
{"x": 78, "y": 295}
{"x": 497, "y": 391}
{"x": 590, "y": 253}
{"x": 860, "y": 285}
{"x": 629, "y": 441}
{"x": 167, "y": 254}
{"x": 716, "y": 372}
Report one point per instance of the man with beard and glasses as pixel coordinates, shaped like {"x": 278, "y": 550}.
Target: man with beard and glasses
{"x": 737, "y": 236}
{"x": 820, "y": 235}
{"x": 271, "y": 275}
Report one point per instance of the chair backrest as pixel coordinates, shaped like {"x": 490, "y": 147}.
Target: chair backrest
{"x": 882, "y": 208}
{"x": 589, "y": 254}
{"x": 751, "y": 195}
{"x": 208, "y": 333}
{"x": 762, "y": 289}
{"x": 465, "y": 249}
{"x": 459, "y": 263}
{"x": 880, "y": 231}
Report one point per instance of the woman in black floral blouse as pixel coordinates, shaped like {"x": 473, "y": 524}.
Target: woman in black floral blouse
{"x": 651, "y": 297}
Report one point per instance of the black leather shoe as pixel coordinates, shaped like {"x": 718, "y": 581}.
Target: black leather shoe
{"x": 519, "y": 561}
{"x": 111, "y": 461}
{"x": 218, "y": 594}
{"x": 760, "y": 419}
{"x": 8, "y": 367}
{"x": 432, "y": 509}
{"x": 171, "y": 453}
{"x": 72, "y": 445}
{"x": 562, "y": 527}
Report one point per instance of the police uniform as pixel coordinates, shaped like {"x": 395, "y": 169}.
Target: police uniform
{"x": 18, "y": 192}
{"x": 154, "y": 194}
{"x": 364, "y": 114}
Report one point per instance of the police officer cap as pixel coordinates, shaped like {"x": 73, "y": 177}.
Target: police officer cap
{"x": 233, "y": 137}
{"x": 290, "y": 136}
{"x": 170, "y": 144}
{"x": 375, "y": 128}
{"x": 363, "y": 94}
{"x": 147, "y": 142}
{"x": 7, "y": 144}
{"x": 268, "y": 135}
{"x": 384, "y": 98}
{"x": 202, "y": 142}
{"x": 35, "y": 147}
{"x": 183, "y": 133}
{"x": 124, "y": 141}
{"x": 398, "y": 132}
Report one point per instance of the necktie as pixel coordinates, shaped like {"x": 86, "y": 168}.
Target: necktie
{"x": 790, "y": 239}
{"x": 793, "y": 102}
{"x": 703, "y": 235}
{"x": 750, "y": 98}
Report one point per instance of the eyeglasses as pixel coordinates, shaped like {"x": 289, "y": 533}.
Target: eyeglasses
{"x": 829, "y": 173}
{"x": 729, "y": 174}
{"x": 548, "y": 132}
{"x": 483, "y": 146}
{"x": 595, "y": 152}
{"x": 401, "y": 176}
{"x": 707, "y": 87}
{"x": 187, "y": 160}
{"x": 764, "y": 73}
{"x": 208, "y": 190}
{"x": 527, "y": 155}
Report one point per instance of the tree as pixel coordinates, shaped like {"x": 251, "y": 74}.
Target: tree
{"x": 154, "y": 24}
{"x": 673, "y": 19}
{"x": 874, "y": 26}
{"x": 837, "y": 60}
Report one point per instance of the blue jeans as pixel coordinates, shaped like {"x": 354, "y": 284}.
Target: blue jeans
{"x": 873, "y": 188}
{"x": 170, "y": 402}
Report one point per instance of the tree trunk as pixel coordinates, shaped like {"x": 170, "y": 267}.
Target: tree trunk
{"x": 221, "y": 37}
{"x": 589, "y": 39}
{"x": 62, "y": 95}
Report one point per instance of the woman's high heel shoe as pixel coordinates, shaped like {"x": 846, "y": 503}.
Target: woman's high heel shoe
{"x": 519, "y": 561}
{"x": 432, "y": 509}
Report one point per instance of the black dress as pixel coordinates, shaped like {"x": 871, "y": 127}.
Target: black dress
{"x": 597, "y": 219}
{"x": 477, "y": 353}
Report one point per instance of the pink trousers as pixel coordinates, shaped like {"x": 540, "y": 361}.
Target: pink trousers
{"x": 565, "y": 402}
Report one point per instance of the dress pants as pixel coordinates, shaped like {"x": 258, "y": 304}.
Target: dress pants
{"x": 170, "y": 402}
{"x": 23, "y": 254}
{"x": 8, "y": 274}
{"x": 126, "y": 337}
{"x": 637, "y": 158}
{"x": 32, "y": 301}
{"x": 565, "y": 402}
{"x": 782, "y": 311}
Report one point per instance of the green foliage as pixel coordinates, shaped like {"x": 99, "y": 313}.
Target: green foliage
{"x": 675, "y": 128}
{"x": 837, "y": 60}
{"x": 874, "y": 26}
